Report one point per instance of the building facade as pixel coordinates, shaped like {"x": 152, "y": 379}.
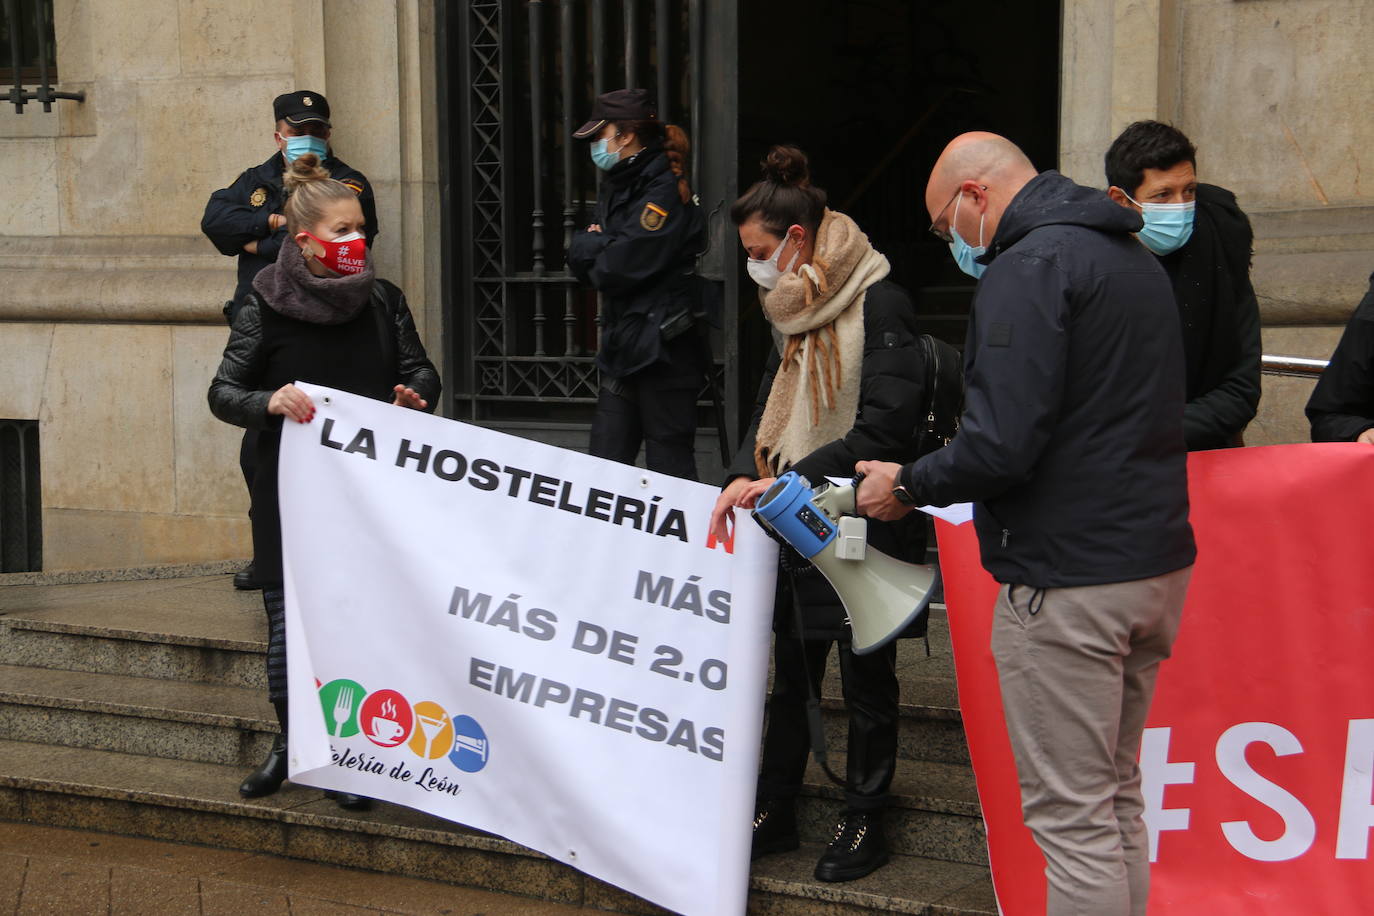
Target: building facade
{"x": 458, "y": 112}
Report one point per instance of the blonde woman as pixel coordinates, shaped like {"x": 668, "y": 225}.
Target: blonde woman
{"x": 318, "y": 314}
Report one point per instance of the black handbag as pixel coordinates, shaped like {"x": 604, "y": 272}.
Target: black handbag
{"x": 944, "y": 394}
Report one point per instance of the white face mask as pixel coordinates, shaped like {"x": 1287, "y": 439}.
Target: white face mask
{"x": 767, "y": 273}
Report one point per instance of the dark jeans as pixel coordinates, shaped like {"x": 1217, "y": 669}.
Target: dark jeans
{"x": 870, "y": 695}
{"x": 655, "y": 409}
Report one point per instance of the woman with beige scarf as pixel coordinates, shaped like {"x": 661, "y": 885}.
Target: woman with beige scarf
{"x": 844, "y": 384}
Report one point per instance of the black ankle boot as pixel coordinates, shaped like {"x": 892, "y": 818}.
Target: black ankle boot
{"x": 267, "y": 778}
{"x": 348, "y": 800}
{"x": 775, "y": 828}
{"x": 858, "y": 848}
{"x": 246, "y": 579}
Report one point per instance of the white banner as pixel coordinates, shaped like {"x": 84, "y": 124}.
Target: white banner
{"x": 528, "y": 641}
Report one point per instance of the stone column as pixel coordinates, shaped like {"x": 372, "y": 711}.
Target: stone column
{"x": 1120, "y": 64}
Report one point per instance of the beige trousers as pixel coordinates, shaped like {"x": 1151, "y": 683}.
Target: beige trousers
{"x": 1077, "y": 668}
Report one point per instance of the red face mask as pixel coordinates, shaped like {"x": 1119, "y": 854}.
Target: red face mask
{"x": 344, "y": 255}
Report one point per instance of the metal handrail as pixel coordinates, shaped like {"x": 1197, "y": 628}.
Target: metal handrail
{"x": 1295, "y": 366}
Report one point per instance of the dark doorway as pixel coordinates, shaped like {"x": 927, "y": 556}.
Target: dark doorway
{"x": 872, "y": 90}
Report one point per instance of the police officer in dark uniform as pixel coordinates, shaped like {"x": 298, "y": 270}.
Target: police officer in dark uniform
{"x": 245, "y": 219}
{"x": 640, "y": 253}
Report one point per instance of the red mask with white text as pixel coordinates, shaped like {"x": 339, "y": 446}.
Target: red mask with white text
{"x": 345, "y": 255}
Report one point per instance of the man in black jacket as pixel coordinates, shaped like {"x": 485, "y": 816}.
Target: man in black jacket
{"x": 1341, "y": 408}
{"x": 1203, "y": 240}
{"x": 245, "y": 221}
{"x": 1071, "y": 447}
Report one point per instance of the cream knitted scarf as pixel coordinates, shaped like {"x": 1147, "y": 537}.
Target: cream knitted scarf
{"x": 819, "y": 311}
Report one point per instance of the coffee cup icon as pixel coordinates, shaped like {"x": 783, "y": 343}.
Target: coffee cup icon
{"x": 386, "y": 731}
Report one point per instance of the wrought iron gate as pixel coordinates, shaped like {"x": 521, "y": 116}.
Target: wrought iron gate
{"x": 516, "y": 78}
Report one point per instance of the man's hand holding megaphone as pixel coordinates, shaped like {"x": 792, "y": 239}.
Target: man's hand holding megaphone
{"x": 874, "y": 496}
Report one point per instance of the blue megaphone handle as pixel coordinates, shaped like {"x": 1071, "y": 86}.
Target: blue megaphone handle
{"x": 787, "y": 508}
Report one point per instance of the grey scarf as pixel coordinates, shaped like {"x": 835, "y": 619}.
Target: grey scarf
{"x": 289, "y": 288}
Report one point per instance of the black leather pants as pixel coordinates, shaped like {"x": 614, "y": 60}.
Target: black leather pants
{"x": 870, "y": 694}
{"x": 273, "y": 601}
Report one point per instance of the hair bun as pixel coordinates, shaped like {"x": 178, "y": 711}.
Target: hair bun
{"x": 304, "y": 169}
{"x": 787, "y": 165}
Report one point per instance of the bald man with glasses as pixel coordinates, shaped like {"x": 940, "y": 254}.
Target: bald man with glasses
{"x": 1071, "y": 448}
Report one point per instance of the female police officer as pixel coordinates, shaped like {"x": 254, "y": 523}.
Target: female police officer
{"x": 640, "y": 253}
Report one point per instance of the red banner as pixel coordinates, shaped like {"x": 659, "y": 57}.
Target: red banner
{"x": 1258, "y": 753}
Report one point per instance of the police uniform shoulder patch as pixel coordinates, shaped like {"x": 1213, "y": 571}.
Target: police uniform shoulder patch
{"x": 258, "y": 197}
{"x": 354, "y": 186}
{"x": 653, "y": 217}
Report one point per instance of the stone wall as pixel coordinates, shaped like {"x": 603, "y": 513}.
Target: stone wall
{"x": 1273, "y": 94}
{"x": 110, "y": 325}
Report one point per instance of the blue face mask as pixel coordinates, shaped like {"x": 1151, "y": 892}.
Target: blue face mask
{"x": 966, "y": 255}
{"x": 604, "y": 158}
{"x": 1168, "y": 227}
{"x": 297, "y": 147}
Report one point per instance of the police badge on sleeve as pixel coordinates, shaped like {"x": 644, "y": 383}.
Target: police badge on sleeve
{"x": 653, "y": 217}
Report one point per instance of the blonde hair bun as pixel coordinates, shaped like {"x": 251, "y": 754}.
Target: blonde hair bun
{"x": 309, "y": 190}
{"x": 304, "y": 169}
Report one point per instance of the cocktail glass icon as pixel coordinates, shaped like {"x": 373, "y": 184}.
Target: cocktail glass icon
{"x": 431, "y": 726}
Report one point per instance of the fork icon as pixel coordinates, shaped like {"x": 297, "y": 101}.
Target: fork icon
{"x": 343, "y": 709}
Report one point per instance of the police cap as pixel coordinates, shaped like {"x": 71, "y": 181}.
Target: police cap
{"x": 618, "y": 105}
{"x": 301, "y": 106}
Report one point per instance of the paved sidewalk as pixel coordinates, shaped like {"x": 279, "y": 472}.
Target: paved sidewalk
{"x": 47, "y": 870}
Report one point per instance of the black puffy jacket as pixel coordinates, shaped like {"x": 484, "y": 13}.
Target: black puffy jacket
{"x": 1071, "y": 442}
{"x": 891, "y": 402}
{"x": 642, "y": 260}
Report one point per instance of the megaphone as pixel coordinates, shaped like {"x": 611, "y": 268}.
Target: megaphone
{"x": 881, "y": 594}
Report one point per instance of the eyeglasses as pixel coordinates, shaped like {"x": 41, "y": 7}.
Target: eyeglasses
{"x": 945, "y": 235}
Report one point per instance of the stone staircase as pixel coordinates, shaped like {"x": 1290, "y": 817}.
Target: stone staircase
{"x": 136, "y": 707}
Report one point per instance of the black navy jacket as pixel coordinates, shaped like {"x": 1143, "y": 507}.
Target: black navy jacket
{"x": 892, "y": 398}
{"x": 642, "y": 259}
{"x": 1071, "y": 442}
{"x": 1219, "y": 316}
{"x": 1342, "y": 404}
{"x": 238, "y": 214}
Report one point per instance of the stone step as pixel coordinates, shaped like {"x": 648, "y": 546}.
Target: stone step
{"x": 178, "y": 720}
{"x": 935, "y": 808}
{"x": 196, "y": 802}
{"x": 195, "y": 629}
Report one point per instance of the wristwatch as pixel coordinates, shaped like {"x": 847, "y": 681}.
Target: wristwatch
{"x": 903, "y": 495}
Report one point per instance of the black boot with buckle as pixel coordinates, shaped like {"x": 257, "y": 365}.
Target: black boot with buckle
{"x": 858, "y": 849}
{"x": 268, "y": 777}
{"x": 775, "y": 828}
